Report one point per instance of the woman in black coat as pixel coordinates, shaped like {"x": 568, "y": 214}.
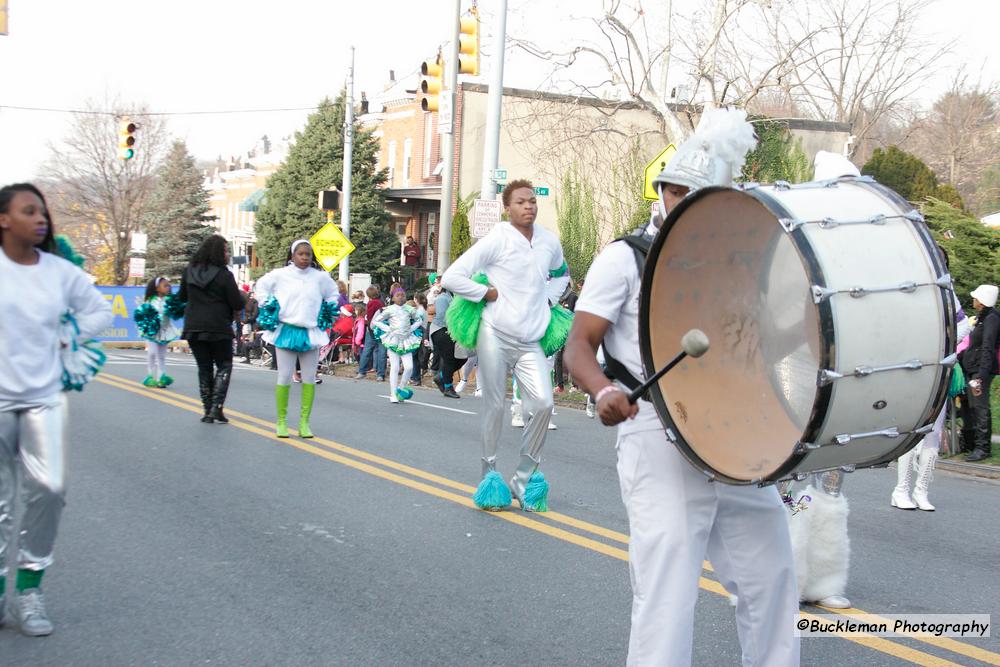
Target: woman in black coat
{"x": 212, "y": 298}
{"x": 979, "y": 362}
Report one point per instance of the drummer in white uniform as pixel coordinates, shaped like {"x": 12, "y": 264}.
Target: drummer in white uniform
{"x": 677, "y": 518}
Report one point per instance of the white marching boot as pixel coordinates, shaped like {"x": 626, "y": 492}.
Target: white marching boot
{"x": 925, "y": 466}
{"x": 901, "y": 494}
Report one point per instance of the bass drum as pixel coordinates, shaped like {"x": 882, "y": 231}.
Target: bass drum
{"x": 830, "y": 317}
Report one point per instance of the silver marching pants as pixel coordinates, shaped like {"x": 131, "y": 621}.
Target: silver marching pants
{"x": 32, "y": 446}
{"x": 499, "y": 355}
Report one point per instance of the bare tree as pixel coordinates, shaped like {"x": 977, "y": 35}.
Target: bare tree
{"x": 97, "y": 192}
{"x": 959, "y": 137}
{"x": 855, "y": 61}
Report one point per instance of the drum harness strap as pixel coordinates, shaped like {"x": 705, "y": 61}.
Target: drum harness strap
{"x": 640, "y": 243}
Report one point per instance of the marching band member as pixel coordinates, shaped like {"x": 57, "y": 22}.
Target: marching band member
{"x": 399, "y": 327}
{"x": 153, "y": 319}
{"x": 38, "y": 290}
{"x": 298, "y": 304}
{"x": 675, "y": 517}
{"x": 527, "y": 274}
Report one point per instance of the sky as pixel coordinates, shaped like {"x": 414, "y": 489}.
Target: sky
{"x": 216, "y": 55}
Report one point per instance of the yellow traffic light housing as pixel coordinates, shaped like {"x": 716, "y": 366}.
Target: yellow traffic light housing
{"x": 126, "y": 139}
{"x": 431, "y": 84}
{"x": 468, "y": 45}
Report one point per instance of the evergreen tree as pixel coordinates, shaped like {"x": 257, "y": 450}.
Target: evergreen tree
{"x": 973, "y": 248}
{"x": 778, "y": 157}
{"x": 315, "y": 162}
{"x": 579, "y": 228}
{"x": 461, "y": 235}
{"x": 175, "y": 221}
{"x": 903, "y": 172}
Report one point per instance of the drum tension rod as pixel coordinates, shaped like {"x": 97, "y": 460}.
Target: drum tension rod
{"x": 791, "y": 224}
{"x": 827, "y": 376}
{"x": 847, "y": 438}
{"x": 821, "y": 293}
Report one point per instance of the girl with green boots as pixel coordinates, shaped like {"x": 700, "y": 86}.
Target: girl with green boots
{"x": 153, "y": 319}
{"x": 298, "y": 305}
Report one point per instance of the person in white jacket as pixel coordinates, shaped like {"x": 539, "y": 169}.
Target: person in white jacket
{"x": 38, "y": 292}
{"x": 527, "y": 274}
{"x": 298, "y": 303}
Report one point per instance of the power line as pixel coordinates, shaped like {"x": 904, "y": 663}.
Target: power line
{"x": 155, "y": 113}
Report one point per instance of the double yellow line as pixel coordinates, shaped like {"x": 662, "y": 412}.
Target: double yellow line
{"x": 459, "y": 493}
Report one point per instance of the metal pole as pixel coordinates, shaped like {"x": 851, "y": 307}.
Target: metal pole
{"x": 448, "y": 144}
{"x": 491, "y": 152}
{"x": 345, "y": 215}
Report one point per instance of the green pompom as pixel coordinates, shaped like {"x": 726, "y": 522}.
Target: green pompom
{"x": 557, "y": 332}
{"x": 66, "y": 250}
{"x": 463, "y": 317}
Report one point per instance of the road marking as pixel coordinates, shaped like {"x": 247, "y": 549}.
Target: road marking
{"x": 191, "y": 405}
{"x": 431, "y": 405}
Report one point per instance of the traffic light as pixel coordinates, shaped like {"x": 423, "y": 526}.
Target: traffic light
{"x": 126, "y": 139}
{"x": 468, "y": 45}
{"x": 431, "y": 83}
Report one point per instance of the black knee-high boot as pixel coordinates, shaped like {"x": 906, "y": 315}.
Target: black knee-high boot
{"x": 219, "y": 392}
{"x": 205, "y": 385}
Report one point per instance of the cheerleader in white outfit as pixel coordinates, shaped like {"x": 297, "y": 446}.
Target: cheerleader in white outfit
{"x": 153, "y": 319}
{"x": 400, "y": 328}
{"x": 40, "y": 294}
{"x": 298, "y": 305}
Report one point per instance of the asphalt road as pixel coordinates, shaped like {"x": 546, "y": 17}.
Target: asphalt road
{"x": 184, "y": 543}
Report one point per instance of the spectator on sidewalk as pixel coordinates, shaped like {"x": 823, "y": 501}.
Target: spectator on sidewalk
{"x": 373, "y": 354}
{"x": 411, "y": 252}
{"x": 444, "y": 347}
{"x": 979, "y": 363}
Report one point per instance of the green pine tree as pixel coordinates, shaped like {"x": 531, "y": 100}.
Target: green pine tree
{"x": 903, "y": 172}
{"x": 973, "y": 248}
{"x": 175, "y": 221}
{"x": 579, "y": 228}
{"x": 461, "y": 235}
{"x": 315, "y": 162}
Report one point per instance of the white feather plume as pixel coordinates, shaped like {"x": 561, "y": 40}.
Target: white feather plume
{"x": 727, "y": 135}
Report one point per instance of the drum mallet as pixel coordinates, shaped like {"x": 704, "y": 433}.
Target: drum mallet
{"x": 693, "y": 344}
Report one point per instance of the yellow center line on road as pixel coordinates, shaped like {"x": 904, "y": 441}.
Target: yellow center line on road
{"x": 247, "y": 423}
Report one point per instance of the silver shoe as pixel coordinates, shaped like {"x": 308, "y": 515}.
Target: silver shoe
{"x": 29, "y": 611}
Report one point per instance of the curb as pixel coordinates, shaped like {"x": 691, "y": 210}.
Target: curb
{"x": 973, "y": 469}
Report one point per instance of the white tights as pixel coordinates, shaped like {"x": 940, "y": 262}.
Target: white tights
{"x": 156, "y": 359}
{"x": 394, "y": 360}
{"x": 307, "y": 364}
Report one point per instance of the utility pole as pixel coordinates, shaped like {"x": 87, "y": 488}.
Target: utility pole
{"x": 447, "y": 130}
{"x": 345, "y": 213}
{"x": 491, "y": 152}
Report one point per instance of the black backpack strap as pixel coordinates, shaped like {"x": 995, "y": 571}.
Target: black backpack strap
{"x": 640, "y": 243}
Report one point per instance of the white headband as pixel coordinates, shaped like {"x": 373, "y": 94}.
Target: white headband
{"x": 298, "y": 242}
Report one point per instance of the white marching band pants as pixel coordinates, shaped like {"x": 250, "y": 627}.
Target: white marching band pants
{"x": 32, "y": 443}
{"x": 498, "y": 356}
{"x": 395, "y": 361}
{"x": 676, "y": 519}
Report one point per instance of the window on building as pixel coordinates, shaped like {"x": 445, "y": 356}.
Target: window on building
{"x": 407, "y": 157}
{"x": 392, "y": 162}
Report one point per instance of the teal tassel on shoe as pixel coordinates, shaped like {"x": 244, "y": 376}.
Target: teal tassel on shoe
{"x": 536, "y": 494}
{"x": 492, "y": 493}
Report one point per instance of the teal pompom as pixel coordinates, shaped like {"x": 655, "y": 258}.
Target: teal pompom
{"x": 147, "y": 320}
{"x": 81, "y": 359}
{"x": 557, "y": 332}
{"x": 267, "y": 316}
{"x": 492, "y": 493}
{"x": 536, "y": 494}
{"x": 173, "y": 307}
{"x": 293, "y": 338}
{"x": 327, "y": 314}
{"x": 65, "y": 249}
{"x": 957, "y": 386}
{"x": 463, "y": 317}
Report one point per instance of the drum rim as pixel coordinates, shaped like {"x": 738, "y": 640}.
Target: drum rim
{"x": 821, "y": 403}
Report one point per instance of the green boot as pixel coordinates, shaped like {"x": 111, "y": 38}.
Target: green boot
{"x": 308, "y": 393}
{"x": 281, "y": 399}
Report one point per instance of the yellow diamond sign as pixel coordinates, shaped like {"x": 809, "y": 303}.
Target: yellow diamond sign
{"x": 653, "y": 170}
{"x": 330, "y": 246}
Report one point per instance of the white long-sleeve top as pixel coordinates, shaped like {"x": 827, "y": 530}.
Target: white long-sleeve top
{"x": 300, "y": 293}
{"x": 529, "y": 276}
{"x": 33, "y": 298}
